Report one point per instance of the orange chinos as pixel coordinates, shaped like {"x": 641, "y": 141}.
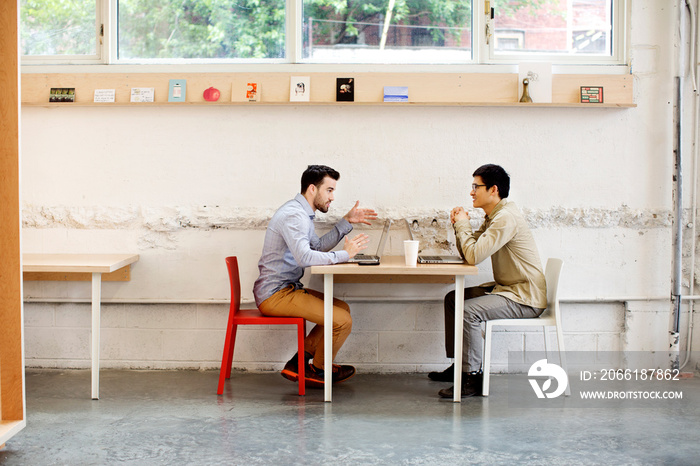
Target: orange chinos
{"x": 308, "y": 304}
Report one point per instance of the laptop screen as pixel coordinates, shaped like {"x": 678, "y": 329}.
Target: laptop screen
{"x": 382, "y": 240}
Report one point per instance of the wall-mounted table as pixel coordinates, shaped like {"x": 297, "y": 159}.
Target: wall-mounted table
{"x": 77, "y": 267}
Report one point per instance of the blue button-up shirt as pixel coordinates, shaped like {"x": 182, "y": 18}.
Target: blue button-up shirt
{"x": 291, "y": 244}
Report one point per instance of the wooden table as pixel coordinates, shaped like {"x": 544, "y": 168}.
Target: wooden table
{"x": 76, "y": 267}
{"x": 392, "y": 270}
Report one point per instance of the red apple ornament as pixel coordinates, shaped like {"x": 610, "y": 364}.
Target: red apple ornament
{"x": 212, "y": 95}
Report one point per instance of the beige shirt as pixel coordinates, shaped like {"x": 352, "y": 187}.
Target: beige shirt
{"x": 507, "y": 240}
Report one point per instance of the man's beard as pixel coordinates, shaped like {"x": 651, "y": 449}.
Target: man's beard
{"x": 322, "y": 207}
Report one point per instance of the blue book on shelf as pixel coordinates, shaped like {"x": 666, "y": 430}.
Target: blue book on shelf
{"x": 178, "y": 90}
{"x": 395, "y": 93}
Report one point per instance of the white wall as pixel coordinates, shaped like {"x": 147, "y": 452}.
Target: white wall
{"x": 186, "y": 186}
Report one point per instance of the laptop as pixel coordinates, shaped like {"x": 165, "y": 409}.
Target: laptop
{"x": 369, "y": 259}
{"x": 434, "y": 259}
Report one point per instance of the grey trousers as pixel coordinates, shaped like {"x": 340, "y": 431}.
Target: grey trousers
{"x": 479, "y": 307}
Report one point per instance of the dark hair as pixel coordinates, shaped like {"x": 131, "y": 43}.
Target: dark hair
{"x": 494, "y": 175}
{"x": 314, "y": 175}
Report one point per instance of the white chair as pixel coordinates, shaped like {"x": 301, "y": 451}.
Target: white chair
{"x": 551, "y": 317}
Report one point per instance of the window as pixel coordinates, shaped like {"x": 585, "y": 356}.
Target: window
{"x": 323, "y": 31}
{"x": 381, "y": 31}
{"x": 55, "y": 29}
{"x": 196, "y": 29}
{"x": 554, "y": 30}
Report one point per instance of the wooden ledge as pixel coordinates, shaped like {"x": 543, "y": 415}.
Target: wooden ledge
{"x": 121, "y": 275}
{"x": 424, "y": 89}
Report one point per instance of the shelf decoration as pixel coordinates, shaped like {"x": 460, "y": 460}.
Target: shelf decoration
{"x": 104, "y": 95}
{"x": 143, "y": 94}
{"x": 212, "y": 94}
{"x": 395, "y": 93}
{"x": 591, "y": 94}
{"x": 539, "y": 80}
{"x": 526, "y": 91}
{"x": 299, "y": 88}
{"x": 252, "y": 92}
{"x": 344, "y": 90}
{"x": 177, "y": 90}
{"x": 62, "y": 94}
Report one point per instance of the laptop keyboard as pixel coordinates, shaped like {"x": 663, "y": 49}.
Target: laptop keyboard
{"x": 365, "y": 257}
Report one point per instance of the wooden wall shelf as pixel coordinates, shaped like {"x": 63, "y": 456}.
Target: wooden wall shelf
{"x": 340, "y": 104}
{"x": 425, "y": 89}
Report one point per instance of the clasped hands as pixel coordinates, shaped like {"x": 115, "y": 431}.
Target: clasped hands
{"x": 457, "y": 214}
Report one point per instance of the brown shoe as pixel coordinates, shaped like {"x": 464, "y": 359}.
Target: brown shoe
{"x": 291, "y": 369}
{"x": 342, "y": 373}
{"x": 315, "y": 376}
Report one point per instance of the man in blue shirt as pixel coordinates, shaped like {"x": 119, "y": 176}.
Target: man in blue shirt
{"x": 291, "y": 245}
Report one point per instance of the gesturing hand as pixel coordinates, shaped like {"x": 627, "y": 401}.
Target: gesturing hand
{"x": 360, "y": 214}
{"x": 355, "y": 245}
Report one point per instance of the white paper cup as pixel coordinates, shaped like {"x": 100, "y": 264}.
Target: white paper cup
{"x": 410, "y": 249}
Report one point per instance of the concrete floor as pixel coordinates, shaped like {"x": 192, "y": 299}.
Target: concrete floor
{"x": 175, "y": 417}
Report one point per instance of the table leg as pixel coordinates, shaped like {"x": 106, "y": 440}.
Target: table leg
{"x": 328, "y": 335}
{"x": 459, "y": 335}
{"x": 96, "y": 299}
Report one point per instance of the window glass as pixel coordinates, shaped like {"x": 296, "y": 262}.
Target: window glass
{"x": 329, "y": 31}
{"x": 58, "y": 27}
{"x": 387, "y": 31}
{"x": 213, "y": 29}
{"x": 553, "y": 26}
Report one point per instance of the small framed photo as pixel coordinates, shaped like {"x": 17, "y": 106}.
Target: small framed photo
{"x": 62, "y": 94}
{"x": 177, "y": 90}
{"x": 142, "y": 94}
{"x": 104, "y": 95}
{"x": 591, "y": 94}
{"x": 345, "y": 90}
{"x": 299, "y": 88}
{"x": 252, "y": 92}
{"x": 395, "y": 93}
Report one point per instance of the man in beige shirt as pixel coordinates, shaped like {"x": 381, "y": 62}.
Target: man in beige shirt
{"x": 519, "y": 289}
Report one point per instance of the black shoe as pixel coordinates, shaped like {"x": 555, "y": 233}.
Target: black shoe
{"x": 291, "y": 369}
{"x": 472, "y": 384}
{"x": 448, "y": 375}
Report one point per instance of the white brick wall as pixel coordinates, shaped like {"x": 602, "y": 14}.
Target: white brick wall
{"x": 386, "y": 337}
{"x": 596, "y": 186}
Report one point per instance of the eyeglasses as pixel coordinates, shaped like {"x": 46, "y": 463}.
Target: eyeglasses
{"x": 476, "y": 186}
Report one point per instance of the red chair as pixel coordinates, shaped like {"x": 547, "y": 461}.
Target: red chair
{"x": 238, "y": 316}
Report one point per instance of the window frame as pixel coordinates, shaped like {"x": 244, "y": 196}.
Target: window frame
{"x": 619, "y": 30}
{"x": 482, "y": 49}
{"x": 101, "y": 21}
